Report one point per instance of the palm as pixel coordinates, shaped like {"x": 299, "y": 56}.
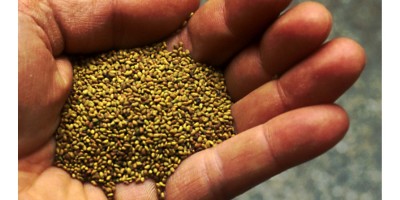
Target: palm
{"x": 282, "y": 121}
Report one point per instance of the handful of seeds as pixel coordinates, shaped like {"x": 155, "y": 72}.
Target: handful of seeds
{"x": 136, "y": 114}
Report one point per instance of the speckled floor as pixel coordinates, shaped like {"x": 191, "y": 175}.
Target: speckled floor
{"x": 352, "y": 169}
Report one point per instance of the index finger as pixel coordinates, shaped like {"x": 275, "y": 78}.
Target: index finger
{"x": 258, "y": 154}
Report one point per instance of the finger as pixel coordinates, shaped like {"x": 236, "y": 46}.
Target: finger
{"x": 55, "y": 183}
{"x": 145, "y": 190}
{"x": 30, "y": 167}
{"x": 93, "y": 192}
{"x": 259, "y": 153}
{"x": 39, "y": 116}
{"x": 89, "y": 26}
{"x": 38, "y": 161}
{"x": 220, "y": 28}
{"x": 319, "y": 79}
{"x": 38, "y": 73}
{"x": 293, "y": 37}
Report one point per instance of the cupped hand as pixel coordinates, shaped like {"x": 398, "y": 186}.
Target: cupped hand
{"x": 282, "y": 76}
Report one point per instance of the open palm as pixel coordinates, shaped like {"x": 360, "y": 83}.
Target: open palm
{"x": 281, "y": 76}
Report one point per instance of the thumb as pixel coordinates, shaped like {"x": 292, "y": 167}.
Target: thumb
{"x": 42, "y": 91}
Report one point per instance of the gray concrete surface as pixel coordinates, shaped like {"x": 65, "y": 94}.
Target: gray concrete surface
{"x": 352, "y": 169}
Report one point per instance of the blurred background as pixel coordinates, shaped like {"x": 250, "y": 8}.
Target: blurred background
{"x": 352, "y": 169}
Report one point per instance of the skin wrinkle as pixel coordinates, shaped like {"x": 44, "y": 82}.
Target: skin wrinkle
{"x": 150, "y": 190}
{"x": 24, "y": 10}
{"x": 145, "y": 190}
{"x": 262, "y": 154}
{"x": 40, "y": 31}
{"x": 282, "y": 95}
{"x": 113, "y": 23}
{"x": 53, "y": 33}
{"x": 267, "y": 135}
{"x": 74, "y": 19}
{"x": 43, "y": 16}
{"x": 214, "y": 162}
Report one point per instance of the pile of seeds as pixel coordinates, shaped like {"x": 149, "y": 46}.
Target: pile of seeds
{"x": 136, "y": 114}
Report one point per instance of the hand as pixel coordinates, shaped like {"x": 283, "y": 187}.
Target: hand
{"x": 283, "y": 79}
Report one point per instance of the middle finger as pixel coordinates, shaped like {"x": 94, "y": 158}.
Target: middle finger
{"x": 220, "y": 28}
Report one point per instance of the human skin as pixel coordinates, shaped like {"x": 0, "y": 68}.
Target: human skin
{"x": 281, "y": 75}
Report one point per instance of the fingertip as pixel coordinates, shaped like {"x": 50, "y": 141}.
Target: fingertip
{"x": 333, "y": 122}
{"x": 318, "y": 18}
{"x": 310, "y": 132}
{"x": 354, "y": 56}
{"x": 315, "y": 19}
{"x": 317, "y": 13}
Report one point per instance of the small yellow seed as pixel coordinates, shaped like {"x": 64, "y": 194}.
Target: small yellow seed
{"x": 136, "y": 114}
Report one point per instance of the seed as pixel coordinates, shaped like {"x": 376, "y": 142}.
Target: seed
{"x": 136, "y": 114}
{"x": 162, "y": 195}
